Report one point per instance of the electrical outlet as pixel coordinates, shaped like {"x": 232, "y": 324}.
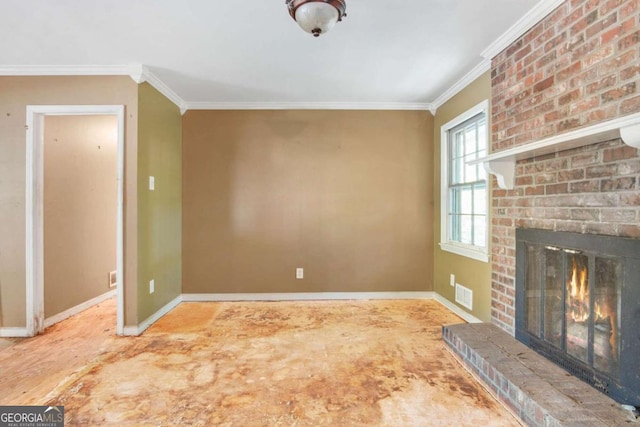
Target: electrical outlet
{"x": 299, "y": 273}
{"x": 152, "y": 286}
{"x": 452, "y": 280}
{"x": 152, "y": 183}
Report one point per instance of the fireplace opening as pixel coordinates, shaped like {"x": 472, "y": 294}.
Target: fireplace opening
{"x": 578, "y": 304}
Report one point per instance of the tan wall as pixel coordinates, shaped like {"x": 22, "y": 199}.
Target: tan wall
{"x": 159, "y": 211}
{"x": 347, "y": 195}
{"x": 473, "y": 274}
{"x": 80, "y": 204}
{"x": 15, "y": 94}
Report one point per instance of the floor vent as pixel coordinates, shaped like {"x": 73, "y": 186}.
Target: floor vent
{"x": 464, "y": 296}
{"x": 113, "y": 281}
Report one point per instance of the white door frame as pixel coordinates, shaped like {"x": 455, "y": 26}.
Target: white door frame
{"x": 35, "y": 207}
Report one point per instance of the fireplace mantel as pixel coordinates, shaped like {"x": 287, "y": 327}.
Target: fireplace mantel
{"x": 503, "y": 163}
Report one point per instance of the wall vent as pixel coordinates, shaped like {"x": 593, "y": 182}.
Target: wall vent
{"x": 113, "y": 280}
{"x": 464, "y": 296}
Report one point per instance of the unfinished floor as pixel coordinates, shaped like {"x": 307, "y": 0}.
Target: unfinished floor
{"x": 346, "y": 363}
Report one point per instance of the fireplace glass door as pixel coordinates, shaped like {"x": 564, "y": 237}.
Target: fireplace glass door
{"x": 574, "y": 296}
{"x": 573, "y": 303}
{"x": 606, "y": 312}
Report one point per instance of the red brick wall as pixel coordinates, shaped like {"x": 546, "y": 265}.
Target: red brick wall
{"x": 577, "y": 67}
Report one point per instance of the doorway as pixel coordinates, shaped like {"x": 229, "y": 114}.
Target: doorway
{"x": 35, "y": 257}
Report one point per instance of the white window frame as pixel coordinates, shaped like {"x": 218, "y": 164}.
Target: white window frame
{"x": 471, "y": 251}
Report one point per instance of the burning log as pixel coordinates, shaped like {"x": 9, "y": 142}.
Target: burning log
{"x": 578, "y": 337}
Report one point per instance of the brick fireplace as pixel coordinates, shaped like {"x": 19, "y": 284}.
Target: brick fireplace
{"x": 576, "y": 68}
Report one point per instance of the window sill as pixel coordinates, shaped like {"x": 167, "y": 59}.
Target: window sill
{"x": 465, "y": 251}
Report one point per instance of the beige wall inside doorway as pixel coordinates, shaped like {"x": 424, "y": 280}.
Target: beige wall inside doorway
{"x": 80, "y": 204}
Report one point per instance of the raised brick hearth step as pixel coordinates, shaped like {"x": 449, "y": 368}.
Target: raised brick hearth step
{"x": 537, "y": 390}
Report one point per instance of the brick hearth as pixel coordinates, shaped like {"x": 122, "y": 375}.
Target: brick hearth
{"x": 535, "y": 389}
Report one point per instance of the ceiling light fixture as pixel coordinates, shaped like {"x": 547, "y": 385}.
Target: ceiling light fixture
{"x": 317, "y": 16}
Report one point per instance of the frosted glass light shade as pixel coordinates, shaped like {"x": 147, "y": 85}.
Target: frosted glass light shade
{"x": 317, "y": 17}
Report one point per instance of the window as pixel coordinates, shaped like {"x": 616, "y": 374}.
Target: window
{"x": 464, "y": 188}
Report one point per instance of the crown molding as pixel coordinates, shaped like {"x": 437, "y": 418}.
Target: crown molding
{"x": 147, "y": 76}
{"x": 524, "y": 24}
{"x": 139, "y": 73}
{"x": 465, "y": 81}
{"x": 65, "y": 70}
{"x": 308, "y": 106}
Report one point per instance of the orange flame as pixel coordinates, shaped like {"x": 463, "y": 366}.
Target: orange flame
{"x": 579, "y": 294}
{"x": 579, "y": 304}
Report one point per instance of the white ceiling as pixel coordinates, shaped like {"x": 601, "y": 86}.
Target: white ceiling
{"x": 405, "y": 54}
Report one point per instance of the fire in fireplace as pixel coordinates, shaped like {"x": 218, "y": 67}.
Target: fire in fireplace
{"x": 578, "y": 304}
{"x": 606, "y": 300}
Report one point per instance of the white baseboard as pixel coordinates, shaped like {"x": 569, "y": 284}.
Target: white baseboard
{"x": 9, "y": 332}
{"x": 134, "y": 331}
{"x": 469, "y": 318}
{"x": 318, "y": 296}
{"x": 78, "y": 308}
{"x": 306, "y": 296}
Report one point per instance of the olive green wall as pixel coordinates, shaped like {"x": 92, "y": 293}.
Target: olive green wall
{"x": 159, "y": 211}
{"x": 475, "y": 275}
{"x": 346, "y": 195}
{"x": 15, "y": 94}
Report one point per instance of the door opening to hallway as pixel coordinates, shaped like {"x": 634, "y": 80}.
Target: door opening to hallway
{"x": 75, "y": 212}
{"x": 79, "y": 209}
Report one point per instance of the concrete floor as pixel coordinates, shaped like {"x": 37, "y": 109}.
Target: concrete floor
{"x": 345, "y": 363}
{"x": 32, "y": 368}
